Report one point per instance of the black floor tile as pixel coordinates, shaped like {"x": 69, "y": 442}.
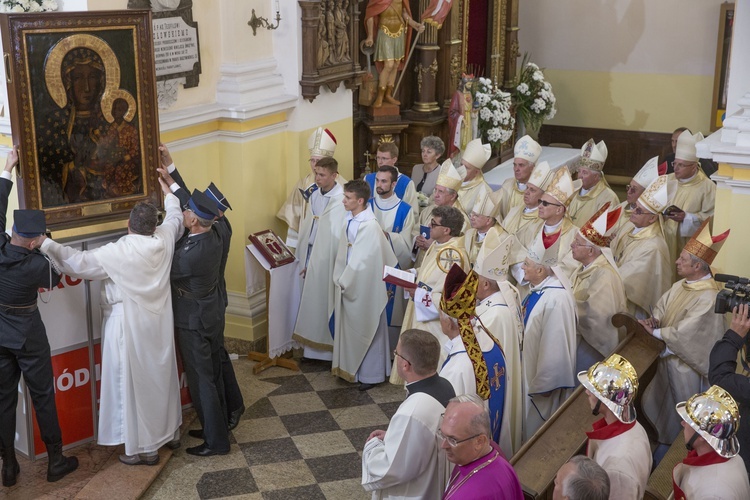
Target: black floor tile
{"x": 312, "y": 492}
{"x": 290, "y": 385}
{"x": 314, "y": 365}
{"x": 225, "y": 483}
{"x": 358, "y": 436}
{"x": 260, "y": 409}
{"x": 309, "y": 423}
{"x": 270, "y": 451}
{"x": 344, "y": 398}
{"x": 335, "y": 467}
{"x": 389, "y": 408}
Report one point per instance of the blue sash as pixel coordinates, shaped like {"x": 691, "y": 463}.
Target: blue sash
{"x": 332, "y": 324}
{"x": 400, "y": 189}
{"x": 307, "y": 193}
{"x": 402, "y": 211}
{"x": 530, "y": 301}
{"x": 495, "y": 360}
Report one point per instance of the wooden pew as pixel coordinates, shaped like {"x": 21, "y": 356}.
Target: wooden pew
{"x": 564, "y": 434}
{"x": 659, "y": 485}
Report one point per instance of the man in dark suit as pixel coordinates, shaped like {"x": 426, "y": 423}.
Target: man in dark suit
{"x": 197, "y": 316}
{"x": 23, "y": 340}
{"x": 232, "y": 394}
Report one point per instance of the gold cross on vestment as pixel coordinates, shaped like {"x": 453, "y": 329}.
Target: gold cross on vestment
{"x": 495, "y": 380}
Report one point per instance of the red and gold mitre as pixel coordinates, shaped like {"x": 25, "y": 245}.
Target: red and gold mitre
{"x": 703, "y": 245}
{"x": 598, "y": 229}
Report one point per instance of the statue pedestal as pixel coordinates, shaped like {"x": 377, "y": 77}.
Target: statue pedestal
{"x": 386, "y": 112}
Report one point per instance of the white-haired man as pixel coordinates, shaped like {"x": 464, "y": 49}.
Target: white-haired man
{"x": 525, "y": 155}
{"x": 594, "y": 191}
{"x": 695, "y": 197}
{"x": 684, "y": 319}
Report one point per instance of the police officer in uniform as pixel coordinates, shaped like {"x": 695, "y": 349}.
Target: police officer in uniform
{"x": 23, "y": 339}
{"x": 198, "y": 315}
{"x": 232, "y": 394}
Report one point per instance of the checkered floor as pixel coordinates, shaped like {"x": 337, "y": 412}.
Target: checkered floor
{"x": 300, "y": 438}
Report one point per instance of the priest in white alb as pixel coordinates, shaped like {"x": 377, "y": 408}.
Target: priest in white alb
{"x": 140, "y": 393}
{"x": 320, "y": 232}
{"x": 483, "y": 223}
{"x": 361, "y": 348}
{"x": 549, "y": 341}
{"x": 474, "y": 187}
{"x": 520, "y": 216}
{"x": 526, "y": 153}
{"x": 594, "y": 191}
{"x": 641, "y": 252}
{"x": 397, "y": 219}
{"x": 597, "y": 288}
{"x": 695, "y": 197}
{"x": 684, "y": 319}
{"x": 320, "y": 144}
{"x": 638, "y": 184}
{"x": 554, "y": 230}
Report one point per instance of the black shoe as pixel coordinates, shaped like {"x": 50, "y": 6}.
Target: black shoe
{"x": 11, "y": 469}
{"x": 59, "y": 465}
{"x": 366, "y": 387}
{"x": 196, "y": 433}
{"x": 173, "y": 444}
{"x": 204, "y": 451}
{"x": 234, "y": 417}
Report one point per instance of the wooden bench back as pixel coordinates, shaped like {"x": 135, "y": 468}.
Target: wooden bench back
{"x": 564, "y": 434}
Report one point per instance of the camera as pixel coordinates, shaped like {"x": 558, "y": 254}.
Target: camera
{"x": 736, "y": 292}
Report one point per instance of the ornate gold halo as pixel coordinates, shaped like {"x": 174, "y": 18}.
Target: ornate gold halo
{"x": 112, "y": 90}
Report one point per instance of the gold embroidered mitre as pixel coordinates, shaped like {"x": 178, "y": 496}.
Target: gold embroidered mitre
{"x": 658, "y": 195}
{"x": 459, "y": 301}
{"x": 561, "y": 186}
{"x": 449, "y": 177}
{"x": 541, "y": 176}
{"x": 593, "y": 156}
{"x": 321, "y": 143}
{"x": 703, "y": 245}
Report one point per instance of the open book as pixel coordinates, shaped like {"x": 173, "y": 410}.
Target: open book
{"x": 398, "y": 277}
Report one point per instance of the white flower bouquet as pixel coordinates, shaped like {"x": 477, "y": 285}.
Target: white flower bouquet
{"x": 533, "y": 97}
{"x": 27, "y": 5}
{"x": 495, "y": 121}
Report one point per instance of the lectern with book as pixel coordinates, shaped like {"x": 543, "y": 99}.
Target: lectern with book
{"x": 269, "y": 262}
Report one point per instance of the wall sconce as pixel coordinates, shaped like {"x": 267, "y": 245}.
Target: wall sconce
{"x": 256, "y": 22}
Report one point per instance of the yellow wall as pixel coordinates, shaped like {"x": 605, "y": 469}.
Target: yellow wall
{"x": 732, "y": 258}
{"x": 255, "y": 176}
{"x": 631, "y": 101}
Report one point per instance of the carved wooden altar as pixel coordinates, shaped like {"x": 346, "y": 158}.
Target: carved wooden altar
{"x": 331, "y": 34}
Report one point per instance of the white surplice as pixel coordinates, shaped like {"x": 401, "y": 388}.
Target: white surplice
{"x": 140, "y": 393}
{"x": 408, "y": 463}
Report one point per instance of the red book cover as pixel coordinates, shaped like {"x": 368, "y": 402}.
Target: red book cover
{"x": 273, "y": 249}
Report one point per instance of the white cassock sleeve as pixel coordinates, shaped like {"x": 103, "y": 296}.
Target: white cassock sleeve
{"x": 424, "y": 306}
{"x": 689, "y": 225}
{"x": 74, "y": 262}
{"x": 400, "y": 457}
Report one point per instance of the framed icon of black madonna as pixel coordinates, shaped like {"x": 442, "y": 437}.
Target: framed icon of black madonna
{"x": 83, "y": 111}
